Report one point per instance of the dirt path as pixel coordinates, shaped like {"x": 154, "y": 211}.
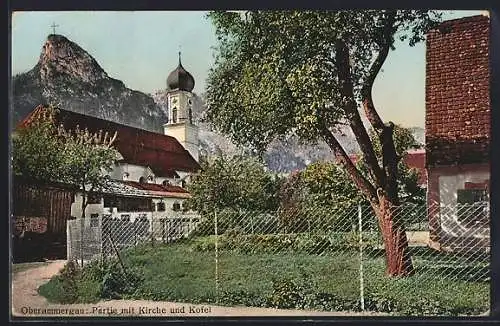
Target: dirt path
{"x": 27, "y": 302}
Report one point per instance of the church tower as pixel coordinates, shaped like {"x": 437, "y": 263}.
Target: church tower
{"x": 180, "y": 124}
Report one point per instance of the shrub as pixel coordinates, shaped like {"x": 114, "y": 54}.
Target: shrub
{"x": 380, "y": 303}
{"x": 303, "y": 294}
{"x": 89, "y": 291}
{"x": 53, "y": 291}
{"x": 287, "y": 294}
{"x": 243, "y": 298}
{"x": 117, "y": 283}
{"x": 94, "y": 282}
{"x": 63, "y": 288}
{"x": 69, "y": 277}
{"x": 234, "y": 239}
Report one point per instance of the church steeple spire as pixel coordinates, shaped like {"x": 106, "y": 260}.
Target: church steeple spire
{"x": 180, "y": 78}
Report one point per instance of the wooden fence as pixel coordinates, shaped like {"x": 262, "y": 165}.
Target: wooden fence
{"x": 39, "y": 217}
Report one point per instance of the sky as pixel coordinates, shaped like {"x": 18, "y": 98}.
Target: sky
{"x": 141, "y": 48}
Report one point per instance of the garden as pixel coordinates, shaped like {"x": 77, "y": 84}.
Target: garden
{"x": 286, "y": 271}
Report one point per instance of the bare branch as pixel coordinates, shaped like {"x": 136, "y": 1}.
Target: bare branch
{"x": 366, "y": 91}
{"x": 112, "y": 140}
{"x": 340, "y": 154}
{"x": 350, "y": 108}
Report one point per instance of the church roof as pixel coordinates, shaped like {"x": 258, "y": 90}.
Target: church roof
{"x": 148, "y": 190}
{"x": 180, "y": 79}
{"x": 162, "y": 153}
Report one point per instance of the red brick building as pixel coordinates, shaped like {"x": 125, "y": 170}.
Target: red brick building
{"x": 457, "y": 131}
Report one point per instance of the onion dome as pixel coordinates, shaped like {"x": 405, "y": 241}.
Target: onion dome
{"x": 180, "y": 79}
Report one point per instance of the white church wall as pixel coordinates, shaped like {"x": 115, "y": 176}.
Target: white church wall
{"x": 135, "y": 172}
{"x": 172, "y": 181}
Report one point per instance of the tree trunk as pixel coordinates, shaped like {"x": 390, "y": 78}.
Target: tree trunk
{"x": 398, "y": 258}
{"x": 82, "y": 225}
{"x": 84, "y": 204}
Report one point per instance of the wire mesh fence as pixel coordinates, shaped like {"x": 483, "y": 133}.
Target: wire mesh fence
{"x": 322, "y": 258}
{"x": 106, "y": 235}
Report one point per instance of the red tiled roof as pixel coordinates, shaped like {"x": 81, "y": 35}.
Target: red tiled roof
{"x": 458, "y": 92}
{"x": 163, "y": 154}
{"x": 155, "y": 187}
{"x": 159, "y": 190}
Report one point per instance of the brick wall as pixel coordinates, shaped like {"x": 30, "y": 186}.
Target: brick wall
{"x": 458, "y": 92}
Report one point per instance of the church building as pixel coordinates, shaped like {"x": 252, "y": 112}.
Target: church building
{"x": 149, "y": 181}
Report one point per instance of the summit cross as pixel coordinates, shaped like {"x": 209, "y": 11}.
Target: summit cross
{"x": 54, "y": 27}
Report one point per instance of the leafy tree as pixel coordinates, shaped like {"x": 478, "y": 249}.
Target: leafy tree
{"x": 328, "y": 185}
{"x": 306, "y": 73}
{"x": 44, "y": 152}
{"x": 233, "y": 182}
{"x": 36, "y": 152}
{"x": 86, "y": 159}
{"x": 325, "y": 186}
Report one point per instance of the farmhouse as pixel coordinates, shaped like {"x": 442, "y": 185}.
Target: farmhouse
{"x": 458, "y": 133}
{"x": 148, "y": 182}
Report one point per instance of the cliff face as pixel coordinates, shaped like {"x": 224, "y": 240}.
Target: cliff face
{"x": 67, "y": 76}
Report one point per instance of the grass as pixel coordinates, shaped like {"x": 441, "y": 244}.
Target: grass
{"x": 180, "y": 272}
{"x": 21, "y": 267}
{"x": 186, "y": 275}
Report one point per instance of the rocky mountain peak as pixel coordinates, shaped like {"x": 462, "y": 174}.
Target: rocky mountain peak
{"x": 68, "y": 77}
{"x": 60, "y": 56}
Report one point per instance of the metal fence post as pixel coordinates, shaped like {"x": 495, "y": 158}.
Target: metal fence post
{"x": 164, "y": 230}
{"x": 69, "y": 240}
{"x": 361, "y": 281}
{"x": 152, "y": 229}
{"x": 82, "y": 225}
{"x": 101, "y": 243}
{"x": 216, "y": 259}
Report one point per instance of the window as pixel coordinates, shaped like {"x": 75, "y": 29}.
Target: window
{"x": 93, "y": 199}
{"x": 160, "y": 207}
{"x": 176, "y": 207}
{"x": 125, "y": 176}
{"x": 174, "y": 115}
{"x": 130, "y": 204}
{"x": 110, "y": 201}
{"x": 165, "y": 183}
{"x": 190, "y": 112}
{"x": 94, "y": 220}
{"x": 151, "y": 178}
{"x": 142, "y": 180}
{"x": 473, "y": 208}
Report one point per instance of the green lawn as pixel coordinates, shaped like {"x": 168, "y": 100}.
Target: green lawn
{"x": 177, "y": 272}
{"x": 181, "y": 272}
